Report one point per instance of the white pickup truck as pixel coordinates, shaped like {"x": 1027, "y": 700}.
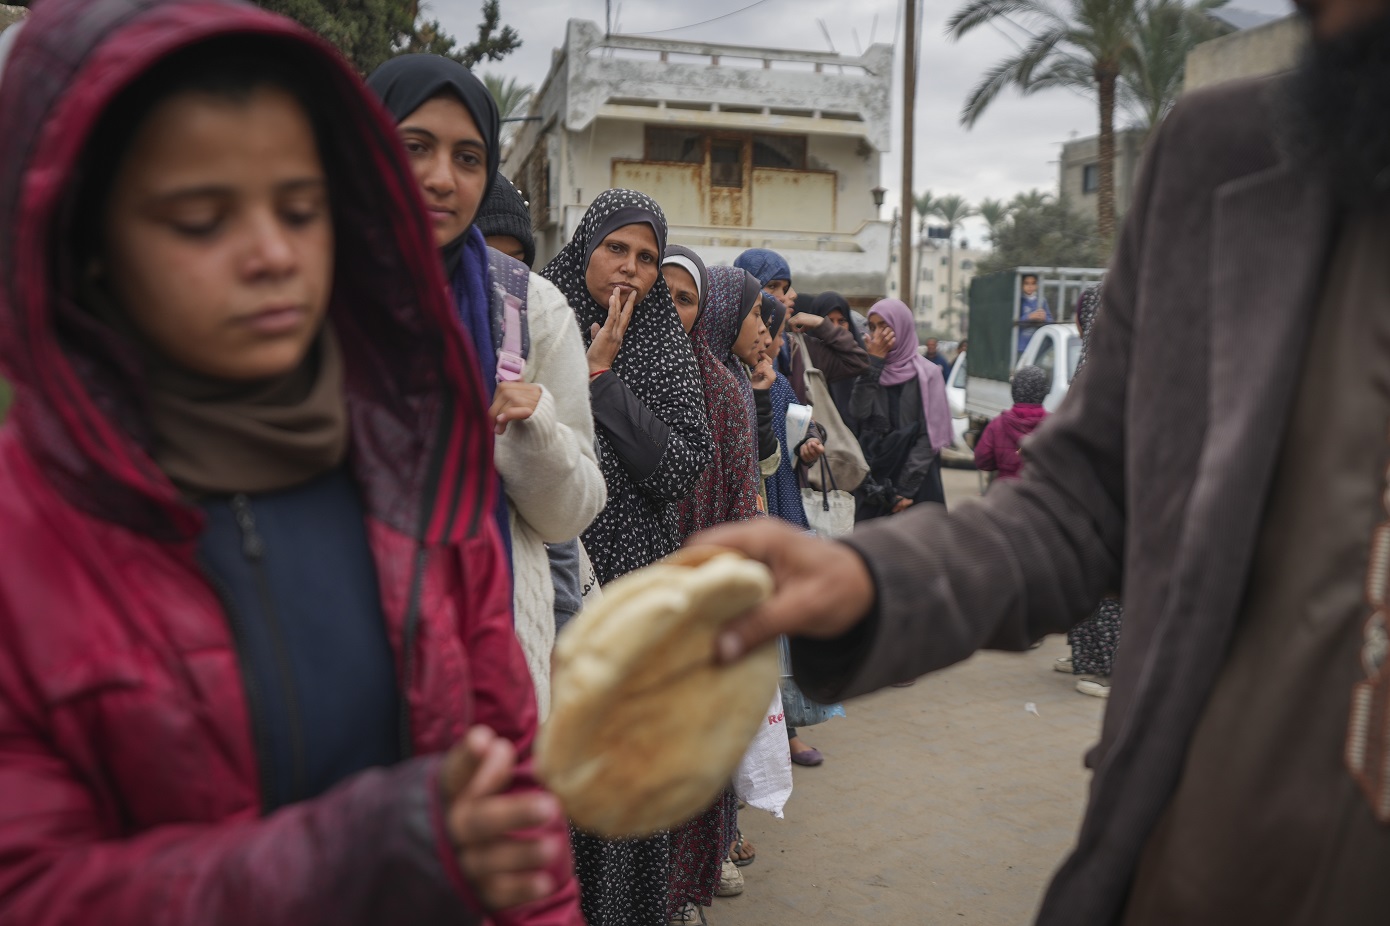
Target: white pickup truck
{"x": 995, "y": 333}
{"x": 1055, "y": 348}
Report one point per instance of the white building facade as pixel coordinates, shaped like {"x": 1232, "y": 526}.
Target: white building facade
{"x": 742, "y": 147}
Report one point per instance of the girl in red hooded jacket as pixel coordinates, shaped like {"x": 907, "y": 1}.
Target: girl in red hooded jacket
{"x": 998, "y": 446}
{"x": 256, "y": 655}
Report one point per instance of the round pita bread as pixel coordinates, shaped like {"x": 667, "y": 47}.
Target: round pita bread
{"x": 644, "y": 728}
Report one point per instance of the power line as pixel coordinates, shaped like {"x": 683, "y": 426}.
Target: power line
{"x": 703, "y": 22}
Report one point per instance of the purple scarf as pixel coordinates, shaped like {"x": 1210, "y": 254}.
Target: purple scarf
{"x": 905, "y": 361}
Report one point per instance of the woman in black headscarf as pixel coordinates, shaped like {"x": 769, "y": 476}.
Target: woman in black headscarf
{"x": 647, "y": 395}
{"x": 544, "y": 450}
{"x": 835, "y": 309}
{"x": 653, "y": 444}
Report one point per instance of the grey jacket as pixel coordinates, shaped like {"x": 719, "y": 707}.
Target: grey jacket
{"x": 1131, "y": 484}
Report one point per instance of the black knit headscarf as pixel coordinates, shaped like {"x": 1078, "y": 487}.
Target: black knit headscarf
{"x": 1031, "y": 385}
{"x": 504, "y": 212}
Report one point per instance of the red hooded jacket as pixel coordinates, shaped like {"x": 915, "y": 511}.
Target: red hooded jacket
{"x": 998, "y": 446}
{"x": 128, "y": 773}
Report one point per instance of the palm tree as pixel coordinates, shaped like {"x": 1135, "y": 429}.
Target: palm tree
{"x": 925, "y": 204}
{"x": 995, "y": 212}
{"x": 513, "y": 101}
{"x": 1080, "y": 44}
{"x": 953, "y": 210}
{"x": 1167, "y": 31}
{"x": 1030, "y": 201}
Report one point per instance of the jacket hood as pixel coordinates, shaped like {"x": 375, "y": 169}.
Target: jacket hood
{"x": 1019, "y": 421}
{"x": 421, "y": 447}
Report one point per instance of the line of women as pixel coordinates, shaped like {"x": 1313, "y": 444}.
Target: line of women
{"x": 301, "y": 477}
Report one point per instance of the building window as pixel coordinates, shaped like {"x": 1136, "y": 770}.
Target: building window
{"x": 682, "y": 146}
{"x": 726, "y": 164}
{"x": 787, "y": 152}
{"x": 687, "y": 146}
{"x": 945, "y": 261}
{"x": 967, "y": 265}
{"x": 1090, "y": 178}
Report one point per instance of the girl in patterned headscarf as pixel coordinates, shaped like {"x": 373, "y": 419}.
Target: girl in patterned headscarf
{"x": 727, "y": 491}
{"x": 1093, "y": 642}
{"x": 653, "y": 443}
{"x": 708, "y": 301}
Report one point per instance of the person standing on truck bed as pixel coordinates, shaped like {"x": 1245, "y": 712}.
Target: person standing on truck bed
{"x": 1033, "y": 311}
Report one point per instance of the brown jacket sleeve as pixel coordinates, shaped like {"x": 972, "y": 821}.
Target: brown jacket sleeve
{"x": 1033, "y": 557}
{"x": 834, "y": 352}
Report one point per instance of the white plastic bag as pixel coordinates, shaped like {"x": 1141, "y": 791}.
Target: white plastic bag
{"x": 763, "y": 778}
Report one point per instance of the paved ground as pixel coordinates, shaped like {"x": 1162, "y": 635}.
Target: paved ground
{"x": 946, "y": 802}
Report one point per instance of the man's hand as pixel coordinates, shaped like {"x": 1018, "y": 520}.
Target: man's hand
{"x": 880, "y": 342}
{"x": 902, "y": 505}
{"x": 805, "y": 321}
{"x": 606, "y": 341}
{"x": 506, "y": 870}
{"x": 823, "y": 588}
{"x": 513, "y": 402}
{"x": 763, "y": 374}
{"x": 812, "y": 450}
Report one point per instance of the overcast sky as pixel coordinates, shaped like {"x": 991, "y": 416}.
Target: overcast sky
{"x": 1013, "y": 147}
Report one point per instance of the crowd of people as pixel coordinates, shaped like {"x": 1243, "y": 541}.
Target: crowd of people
{"x": 316, "y": 464}
{"x": 301, "y": 477}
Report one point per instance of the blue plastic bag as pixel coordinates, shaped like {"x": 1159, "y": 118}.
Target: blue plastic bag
{"x": 800, "y": 710}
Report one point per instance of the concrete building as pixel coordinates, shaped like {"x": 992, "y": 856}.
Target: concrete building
{"x": 936, "y": 312}
{"x": 1269, "y": 48}
{"x": 743, "y": 147}
{"x": 1079, "y": 171}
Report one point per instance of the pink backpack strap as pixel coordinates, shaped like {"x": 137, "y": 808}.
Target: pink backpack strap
{"x": 511, "y": 280}
{"x": 511, "y": 361}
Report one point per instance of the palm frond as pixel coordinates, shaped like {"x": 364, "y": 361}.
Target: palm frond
{"x": 953, "y": 210}
{"x": 1017, "y": 71}
{"x": 978, "y": 12}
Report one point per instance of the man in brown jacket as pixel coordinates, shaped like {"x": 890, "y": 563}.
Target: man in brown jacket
{"x": 1236, "y": 494}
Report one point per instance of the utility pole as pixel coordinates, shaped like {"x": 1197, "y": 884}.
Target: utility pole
{"x": 905, "y": 288}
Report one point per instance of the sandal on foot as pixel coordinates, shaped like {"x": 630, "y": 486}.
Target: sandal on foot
{"x": 808, "y": 757}
{"x": 737, "y": 853}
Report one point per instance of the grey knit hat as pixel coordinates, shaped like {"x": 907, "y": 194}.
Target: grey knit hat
{"x": 504, "y": 212}
{"x": 1031, "y": 385}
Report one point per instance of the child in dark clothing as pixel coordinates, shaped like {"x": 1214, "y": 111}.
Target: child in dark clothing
{"x": 998, "y": 446}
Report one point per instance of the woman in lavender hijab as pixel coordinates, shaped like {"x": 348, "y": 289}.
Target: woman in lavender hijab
{"x": 904, "y": 418}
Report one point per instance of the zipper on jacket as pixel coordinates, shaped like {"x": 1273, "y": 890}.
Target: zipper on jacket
{"x": 255, "y": 707}
{"x": 408, "y": 633}
{"x": 253, "y": 548}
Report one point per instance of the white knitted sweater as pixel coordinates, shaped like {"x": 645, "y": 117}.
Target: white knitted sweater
{"x": 550, "y": 471}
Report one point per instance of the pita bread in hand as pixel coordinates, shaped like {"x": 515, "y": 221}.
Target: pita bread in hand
{"x": 644, "y": 727}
